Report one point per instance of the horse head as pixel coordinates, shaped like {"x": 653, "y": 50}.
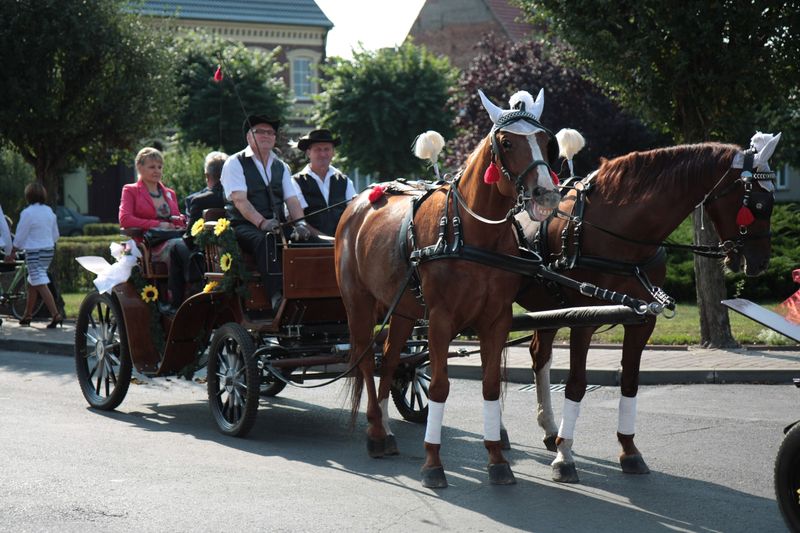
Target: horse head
{"x": 741, "y": 210}
{"x": 527, "y": 172}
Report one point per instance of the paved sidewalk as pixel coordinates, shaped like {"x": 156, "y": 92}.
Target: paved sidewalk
{"x": 660, "y": 365}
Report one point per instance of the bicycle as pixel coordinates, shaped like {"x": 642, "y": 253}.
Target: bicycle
{"x": 14, "y": 289}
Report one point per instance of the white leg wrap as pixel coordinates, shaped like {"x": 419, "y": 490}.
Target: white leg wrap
{"x": 564, "y": 454}
{"x": 568, "y": 419}
{"x": 544, "y": 409}
{"x": 627, "y": 416}
{"x": 433, "y": 431}
{"x": 385, "y": 416}
{"x": 491, "y": 420}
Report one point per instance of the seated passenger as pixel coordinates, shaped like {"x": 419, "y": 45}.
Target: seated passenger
{"x": 256, "y": 185}
{"x": 182, "y": 270}
{"x": 148, "y": 204}
{"x": 321, "y": 185}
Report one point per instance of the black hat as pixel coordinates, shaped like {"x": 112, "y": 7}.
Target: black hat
{"x": 252, "y": 120}
{"x": 317, "y": 136}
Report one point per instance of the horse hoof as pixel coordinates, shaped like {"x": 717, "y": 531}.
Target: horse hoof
{"x": 505, "y": 444}
{"x": 633, "y": 464}
{"x": 550, "y": 443}
{"x": 501, "y": 474}
{"x": 390, "y": 446}
{"x": 376, "y": 448}
{"x": 434, "y": 478}
{"x": 565, "y": 473}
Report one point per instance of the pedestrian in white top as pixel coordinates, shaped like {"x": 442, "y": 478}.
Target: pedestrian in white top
{"x": 37, "y": 233}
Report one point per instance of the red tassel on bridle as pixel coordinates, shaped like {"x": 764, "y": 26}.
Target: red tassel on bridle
{"x": 555, "y": 177}
{"x": 492, "y": 174}
{"x": 218, "y": 74}
{"x": 745, "y": 217}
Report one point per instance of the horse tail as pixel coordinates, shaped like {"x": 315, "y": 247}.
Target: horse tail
{"x": 355, "y": 385}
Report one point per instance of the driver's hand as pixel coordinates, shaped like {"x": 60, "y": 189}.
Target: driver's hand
{"x": 270, "y": 225}
{"x": 300, "y": 233}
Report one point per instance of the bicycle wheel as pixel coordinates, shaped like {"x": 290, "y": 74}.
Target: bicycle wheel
{"x": 18, "y": 294}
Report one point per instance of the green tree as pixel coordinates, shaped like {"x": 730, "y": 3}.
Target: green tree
{"x": 698, "y": 70}
{"x": 378, "y": 102}
{"x": 81, "y": 79}
{"x": 210, "y": 112}
{"x": 571, "y": 101}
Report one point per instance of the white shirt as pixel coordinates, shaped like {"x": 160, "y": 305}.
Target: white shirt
{"x": 37, "y": 228}
{"x": 5, "y": 234}
{"x": 233, "y": 175}
{"x": 323, "y": 184}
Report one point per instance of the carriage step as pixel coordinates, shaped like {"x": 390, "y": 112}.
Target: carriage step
{"x": 556, "y": 388}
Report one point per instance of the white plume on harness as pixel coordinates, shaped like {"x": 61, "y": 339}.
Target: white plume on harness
{"x": 428, "y": 146}
{"x": 570, "y": 142}
{"x": 764, "y": 144}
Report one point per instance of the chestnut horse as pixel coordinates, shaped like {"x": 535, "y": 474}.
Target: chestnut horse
{"x": 373, "y": 249}
{"x": 632, "y": 204}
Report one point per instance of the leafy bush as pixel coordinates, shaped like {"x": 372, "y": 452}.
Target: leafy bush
{"x": 183, "y": 169}
{"x": 105, "y": 228}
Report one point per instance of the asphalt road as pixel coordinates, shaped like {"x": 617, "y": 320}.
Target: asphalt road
{"x": 158, "y": 463}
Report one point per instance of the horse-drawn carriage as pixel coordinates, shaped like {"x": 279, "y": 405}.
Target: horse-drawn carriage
{"x": 249, "y": 349}
{"x": 434, "y": 262}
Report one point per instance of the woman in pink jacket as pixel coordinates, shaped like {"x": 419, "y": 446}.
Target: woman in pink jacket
{"x": 148, "y": 204}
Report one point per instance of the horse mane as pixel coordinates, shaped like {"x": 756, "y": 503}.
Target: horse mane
{"x": 676, "y": 168}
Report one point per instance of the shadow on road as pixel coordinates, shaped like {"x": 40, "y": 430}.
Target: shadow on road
{"x": 606, "y": 498}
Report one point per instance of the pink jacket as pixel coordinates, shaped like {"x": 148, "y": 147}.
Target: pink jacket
{"x": 136, "y": 209}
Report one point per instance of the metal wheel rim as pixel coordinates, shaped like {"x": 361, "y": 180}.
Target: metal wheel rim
{"x": 231, "y": 390}
{"x": 102, "y": 351}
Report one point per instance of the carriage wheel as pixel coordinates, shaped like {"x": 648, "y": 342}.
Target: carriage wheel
{"x": 410, "y": 393}
{"x": 102, "y": 361}
{"x": 787, "y": 478}
{"x": 20, "y": 300}
{"x": 233, "y": 380}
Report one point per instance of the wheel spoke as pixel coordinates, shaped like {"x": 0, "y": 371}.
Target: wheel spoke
{"x": 94, "y": 369}
{"x": 99, "y": 379}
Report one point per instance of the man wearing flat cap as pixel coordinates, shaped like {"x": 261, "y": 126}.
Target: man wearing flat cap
{"x": 256, "y": 185}
{"x": 323, "y": 190}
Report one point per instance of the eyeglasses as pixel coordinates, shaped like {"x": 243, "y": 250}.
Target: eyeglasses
{"x": 269, "y": 133}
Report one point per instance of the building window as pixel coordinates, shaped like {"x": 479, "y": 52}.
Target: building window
{"x": 782, "y": 177}
{"x": 301, "y": 78}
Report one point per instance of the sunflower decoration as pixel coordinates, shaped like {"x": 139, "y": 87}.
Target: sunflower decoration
{"x": 197, "y": 227}
{"x": 225, "y": 262}
{"x": 149, "y": 294}
{"x": 222, "y": 225}
{"x": 210, "y": 286}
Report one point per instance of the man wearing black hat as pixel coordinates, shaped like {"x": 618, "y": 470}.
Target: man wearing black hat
{"x": 256, "y": 185}
{"x": 323, "y": 189}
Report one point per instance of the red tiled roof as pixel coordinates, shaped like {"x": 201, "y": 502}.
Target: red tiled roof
{"x": 510, "y": 17}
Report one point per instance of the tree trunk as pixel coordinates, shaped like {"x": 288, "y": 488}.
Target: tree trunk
{"x": 715, "y": 327}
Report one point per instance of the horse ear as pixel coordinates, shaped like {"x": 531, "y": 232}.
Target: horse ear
{"x": 765, "y": 143}
{"x": 538, "y": 105}
{"x": 493, "y": 110}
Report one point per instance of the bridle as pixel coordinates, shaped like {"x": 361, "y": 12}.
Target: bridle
{"x": 537, "y": 193}
{"x": 756, "y": 204}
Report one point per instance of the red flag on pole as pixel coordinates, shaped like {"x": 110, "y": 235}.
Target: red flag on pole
{"x": 218, "y": 74}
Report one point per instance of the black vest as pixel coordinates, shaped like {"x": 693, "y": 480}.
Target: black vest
{"x": 326, "y": 221}
{"x": 257, "y": 192}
